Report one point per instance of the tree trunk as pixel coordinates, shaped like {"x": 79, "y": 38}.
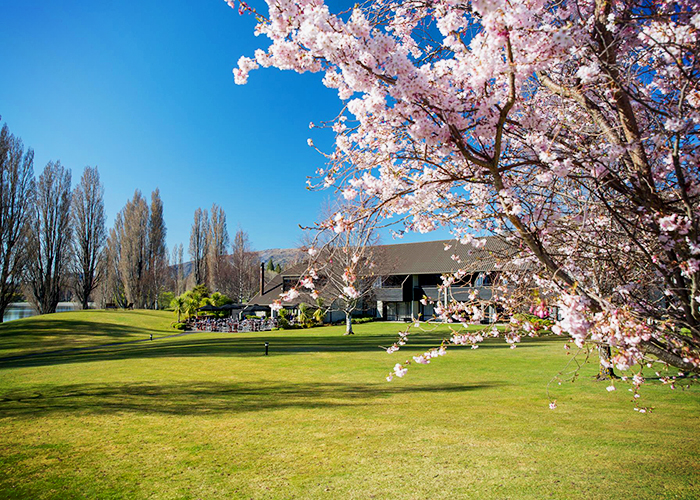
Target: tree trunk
{"x": 667, "y": 357}
{"x": 348, "y": 324}
{"x": 605, "y": 372}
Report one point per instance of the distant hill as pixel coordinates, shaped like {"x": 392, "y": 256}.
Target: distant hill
{"x": 285, "y": 257}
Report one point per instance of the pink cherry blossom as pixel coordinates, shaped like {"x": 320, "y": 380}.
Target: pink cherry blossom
{"x": 290, "y": 295}
{"x": 399, "y": 370}
{"x": 510, "y": 119}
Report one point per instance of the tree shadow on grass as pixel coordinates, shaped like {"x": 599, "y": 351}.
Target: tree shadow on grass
{"x": 241, "y": 345}
{"x": 204, "y": 398}
{"x": 56, "y": 333}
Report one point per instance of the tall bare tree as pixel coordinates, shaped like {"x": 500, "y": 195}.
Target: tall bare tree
{"x": 218, "y": 243}
{"x": 112, "y": 287}
{"x": 178, "y": 268}
{"x": 157, "y": 251}
{"x": 244, "y": 268}
{"x": 49, "y": 241}
{"x": 198, "y": 245}
{"x": 16, "y": 192}
{"x": 89, "y": 234}
{"x": 133, "y": 239}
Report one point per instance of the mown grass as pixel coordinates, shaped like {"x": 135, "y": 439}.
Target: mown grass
{"x": 208, "y": 415}
{"x": 78, "y": 329}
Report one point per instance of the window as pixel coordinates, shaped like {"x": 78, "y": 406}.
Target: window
{"x": 288, "y": 283}
{"x": 430, "y": 280}
{"x": 468, "y": 280}
{"x": 486, "y": 279}
{"x": 394, "y": 281}
{"x": 397, "y": 311}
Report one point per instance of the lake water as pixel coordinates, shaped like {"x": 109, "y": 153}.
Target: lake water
{"x": 18, "y": 310}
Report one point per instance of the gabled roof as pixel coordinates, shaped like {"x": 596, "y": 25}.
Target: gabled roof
{"x": 273, "y": 288}
{"x": 436, "y": 257}
{"x": 429, "y": 257}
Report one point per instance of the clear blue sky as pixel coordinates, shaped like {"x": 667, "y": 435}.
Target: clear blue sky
{"x": 144, "y": 90}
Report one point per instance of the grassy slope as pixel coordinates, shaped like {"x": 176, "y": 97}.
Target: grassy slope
{"x": 68, "y": 330}
{"x": 208, "y": 416}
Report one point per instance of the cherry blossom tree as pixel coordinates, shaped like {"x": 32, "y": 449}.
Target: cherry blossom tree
{"x": 567, "y": 128}
{"x": 341, "y": 264}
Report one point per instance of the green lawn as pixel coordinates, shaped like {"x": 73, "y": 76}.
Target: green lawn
{"x": 68, "y": 330}
{"x": 207, "y": 415}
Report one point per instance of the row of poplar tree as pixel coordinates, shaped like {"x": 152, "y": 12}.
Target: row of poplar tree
{"x": 54, "y": 243}
{"x": 47, "y": 231}
{"x": 236, "y": 275}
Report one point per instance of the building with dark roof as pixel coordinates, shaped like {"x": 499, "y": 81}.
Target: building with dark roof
{"x": 403, "y": 274}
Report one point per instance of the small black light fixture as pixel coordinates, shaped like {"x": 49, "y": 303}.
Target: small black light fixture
{"x": 267, "y": 344}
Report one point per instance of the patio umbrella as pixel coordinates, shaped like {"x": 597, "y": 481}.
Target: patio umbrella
{"x": 209, "y": 308}
{"x": 231, "y": 307}
{"x": 255, "y": 308}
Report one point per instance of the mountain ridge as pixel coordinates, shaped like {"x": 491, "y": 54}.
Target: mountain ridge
{"x": 285, "y": 257}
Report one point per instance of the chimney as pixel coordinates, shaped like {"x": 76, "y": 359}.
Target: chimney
{"x": 262, "y": 279}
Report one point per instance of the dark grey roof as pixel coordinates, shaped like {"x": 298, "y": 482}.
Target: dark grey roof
{"x": 435, "y": 257}
{"x": 412, "y": 258}
{"x": 273, "y": 288}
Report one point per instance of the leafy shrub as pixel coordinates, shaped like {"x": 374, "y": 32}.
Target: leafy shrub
{"x": 541, "y": 325}
{"x": 164, "y": 300}
{"x": 179, "y": 326}
{"x": 364, "y": 319}
{"x": 284, "y": 324}
{"x": 306, "y": 315}
{"x": 201, "y": 290}
{"x": 219, "y": 299}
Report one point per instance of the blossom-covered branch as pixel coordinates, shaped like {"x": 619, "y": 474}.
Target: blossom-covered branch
{"x": 568, "y": 129}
